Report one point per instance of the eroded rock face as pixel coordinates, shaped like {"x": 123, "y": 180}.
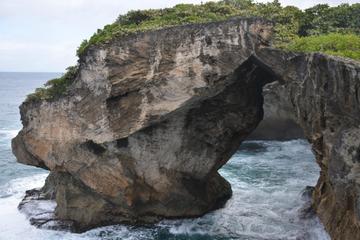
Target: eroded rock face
{"x": 151, "y": 118}
{"x": 148, "y": 122}
{"x": 279, "y": 121}
{"x": 324, "y": 92}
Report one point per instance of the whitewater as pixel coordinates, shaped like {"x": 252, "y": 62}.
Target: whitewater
{"x": 267, "y": 178}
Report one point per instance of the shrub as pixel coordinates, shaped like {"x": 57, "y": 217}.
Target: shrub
{"x": 344, "y": 45}
{"x": 291, "y": 22}
{"x": 54, "y": 87}
{"x": 136, "y": 21}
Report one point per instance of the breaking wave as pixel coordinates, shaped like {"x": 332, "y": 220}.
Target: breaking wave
{"x": 267, "y": 179}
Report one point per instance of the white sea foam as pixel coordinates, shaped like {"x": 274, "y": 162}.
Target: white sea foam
{"x": 13, "y": 224}
{"x": 266, "y": 200}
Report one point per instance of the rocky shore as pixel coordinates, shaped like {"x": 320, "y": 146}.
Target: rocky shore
{"x": 151, "y": 117}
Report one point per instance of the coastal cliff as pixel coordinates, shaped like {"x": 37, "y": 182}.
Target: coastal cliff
{"x": 147, "y": 123}
{"x": 324, "y": 93}
{"x": 151, "y": 117}
{"x": 279, "y": 121}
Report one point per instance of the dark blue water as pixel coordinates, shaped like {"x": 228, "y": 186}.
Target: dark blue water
{"x": 267, "y": 179}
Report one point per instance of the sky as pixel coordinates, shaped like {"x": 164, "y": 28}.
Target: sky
{"x": 43, "y": 35}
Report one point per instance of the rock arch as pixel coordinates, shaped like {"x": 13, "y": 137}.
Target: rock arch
{"x": 151, "y": 117}
{"x": 279, "y": 121}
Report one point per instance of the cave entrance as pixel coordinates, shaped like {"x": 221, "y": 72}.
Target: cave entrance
{"x": 279, "y": 119}
{"x": 273, "y": 174}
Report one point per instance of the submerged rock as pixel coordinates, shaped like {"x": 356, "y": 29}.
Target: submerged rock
{"x": 307, "y": 210}
{"x": 307, "y": 193}
{"x": 151, "y": 117}
{"x": 39, "y": 206}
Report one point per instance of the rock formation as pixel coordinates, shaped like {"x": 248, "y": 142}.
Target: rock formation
{"x": 324, "y": 93}
{"x": 279, "y": 121}
{"x": 151, "y": 117}
{"x": 147, "y": 124}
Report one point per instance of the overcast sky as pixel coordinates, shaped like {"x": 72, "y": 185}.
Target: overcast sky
{"x": 42, "y": 35}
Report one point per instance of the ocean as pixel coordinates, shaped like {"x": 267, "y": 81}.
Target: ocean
{"x": 267, "y": 178}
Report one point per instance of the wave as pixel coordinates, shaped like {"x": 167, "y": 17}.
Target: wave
{"x": 17, "y": 187}
{"x": 8, "y": 134}
{"x": 14, "y": 225}
{"x": 267, "y": 181}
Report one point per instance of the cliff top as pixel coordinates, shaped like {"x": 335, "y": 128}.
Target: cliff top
{"x": 181, "y": 14}
{"x": 291, "y": 22}
{"x": 295, "y": 29}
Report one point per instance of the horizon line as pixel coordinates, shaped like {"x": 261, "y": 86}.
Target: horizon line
{"x": 29, "y": 72}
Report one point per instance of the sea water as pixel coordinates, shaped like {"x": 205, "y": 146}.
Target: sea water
{"x": 267, "y": 178}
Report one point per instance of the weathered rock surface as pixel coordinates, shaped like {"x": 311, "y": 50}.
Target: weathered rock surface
{"x": 151, "y": 117}
{"x": 324, "y": 92}
{"x": 279, "y": 121}
{"x": 148, "y": 122}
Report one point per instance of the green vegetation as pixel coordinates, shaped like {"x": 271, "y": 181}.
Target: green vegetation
{"x": 333, "y": 30}
{"x": 55, "y": 87}
{"x": 139, "y": 21}
{"x": 291, "y": 22}
{"x": 344, "y": 45}
{"x": 322, "y": 19}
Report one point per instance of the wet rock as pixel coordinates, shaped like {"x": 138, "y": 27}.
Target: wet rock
{"x": 307, "y": 193}
{"x": 307, "y": 210}
{"x": 41, "y": 212}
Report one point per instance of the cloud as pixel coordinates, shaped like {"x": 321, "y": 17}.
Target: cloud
{"x": 42, "y": 35}
{"x": 33, "y": 32}
{"x": 30, "y": 56}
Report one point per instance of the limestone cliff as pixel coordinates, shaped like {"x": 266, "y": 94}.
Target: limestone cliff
{"x": 279, "y": 121}
{"x": 324, "y": 93}
{"x": 151, "y": 117}
{"x": 148, "y": 122}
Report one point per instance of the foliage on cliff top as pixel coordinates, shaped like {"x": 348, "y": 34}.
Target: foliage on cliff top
{"x": 143, "y": 20}
{"x": 55, "y": 87}
{"x": 295, "y": 29}
{"x": 344, "y": 45}
{"x": 291, "y": 22}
